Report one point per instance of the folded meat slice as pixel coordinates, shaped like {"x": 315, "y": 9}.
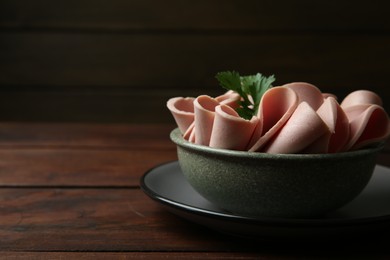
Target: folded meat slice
{"x": 182, "y": 110}
{"x": 204, "y": 108}
{"x": 293, "y": 118}
{"x": 189, "y": 134}
{"x": 230, "y": 98}
{"x": 361, "y": 97}
{"x": 307, "y": 93}
{"x": 230, "y": 131}
{"x": 336, "y": 120}
{"x": 326, "y": 95}
{"x": 302, "y": 129}
{"x": 369, "y": 124}
{"x": 276, "y": 107}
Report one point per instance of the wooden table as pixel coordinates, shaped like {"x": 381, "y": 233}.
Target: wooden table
{"x": 72, "y": 191}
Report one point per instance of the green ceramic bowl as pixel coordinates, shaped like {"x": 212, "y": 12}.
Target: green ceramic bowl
{"x": 275, "y": 185}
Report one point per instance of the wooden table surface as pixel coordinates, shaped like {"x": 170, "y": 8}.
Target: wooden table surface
{"x": 72, "y": 191}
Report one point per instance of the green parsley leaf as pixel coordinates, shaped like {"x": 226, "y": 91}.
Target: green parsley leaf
{"x": 251, "y": 88}
{"x": 230, "y": 80}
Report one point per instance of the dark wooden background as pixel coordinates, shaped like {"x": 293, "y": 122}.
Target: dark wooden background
{"x": 120, "y": 60}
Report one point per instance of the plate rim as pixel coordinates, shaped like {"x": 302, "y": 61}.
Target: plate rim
{"x": 268, "y": 221}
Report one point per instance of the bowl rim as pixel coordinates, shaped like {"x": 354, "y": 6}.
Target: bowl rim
{"x": 177, "y": 137}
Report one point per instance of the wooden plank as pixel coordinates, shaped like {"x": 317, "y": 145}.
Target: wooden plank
{"x": 126, "y": 220}
{"x": 332, "y": 62}
{"x": 78, "y": 168}
{"x": 110, "y": 78}
{"x": 280, "y": 254}
{"x": 140, "y": 137}
{"x": 81, "y": 154}
{"x": 91, "y": 104}
{"x": 279, "y": 15}
{"x": 95, "y": 220}
{"x": 84, "y": 168}
{"x": 136, "y": 255}
{"x": 147, "y": 105}
{"x": 86, "y": 136}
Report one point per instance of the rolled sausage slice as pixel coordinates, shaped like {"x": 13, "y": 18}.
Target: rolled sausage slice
{"x": 182, "y": 110}
{"x": 276, "y": 107}
{"x": 230, "y": 98}
{"x": 204, "y": 108}
{"x": 302, "y": 129}
{"x": 361, "y": 97}
{"x": 189, "y": 134}
{"x": 336, "y": 120}
{"x": 369, "y": 124}
{"x": 307, "y": 93}
{"x": 230, "y": 131}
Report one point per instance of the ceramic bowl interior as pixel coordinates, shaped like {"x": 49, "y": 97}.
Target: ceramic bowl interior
{"x": 275, "y": 185}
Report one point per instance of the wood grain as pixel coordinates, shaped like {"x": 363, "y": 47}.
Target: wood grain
{"x": 186, "y": 15}
{"x": 113, "y": 220}
{"x": 81, "y": 155}
{"x": 94, "y": 220}
{"x": 72, "y": 191}
{"x": 78, "y": 168}
{"x": 112, "y": 78}
{"x": 57, "y": 59}
{"x": 92, "y": 104}
{"x": 86, "y": 136}
{"x": 84, "y": 168}
{"x": 135, "y": 255}
{"x": 86, "y": 155}
{"x": 83, "y": 136}
{"x": 89, "y": 61}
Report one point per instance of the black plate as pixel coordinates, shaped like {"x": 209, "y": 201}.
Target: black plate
{"x": 369, "y": 212}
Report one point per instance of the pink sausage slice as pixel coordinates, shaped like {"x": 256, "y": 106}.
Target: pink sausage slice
{"x": 326, "y": 95}
{"x": 369, "y": 124}
{"x": 336, "y": 120}
{"x": 189, "y": 134}
{"x": 307, "y": 93}
{"x": 230, "y": 131}
{"x": 182, "y": 110}
{"x": 361, "y": 97}
{"x": 276, "y": 107}
{"x": 204, "y": 108}
{"x": 230, "y": 98}
{"x": 302, "y": 129}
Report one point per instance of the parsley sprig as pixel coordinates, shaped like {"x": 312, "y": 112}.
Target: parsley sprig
{"x": 251, "y": 89}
